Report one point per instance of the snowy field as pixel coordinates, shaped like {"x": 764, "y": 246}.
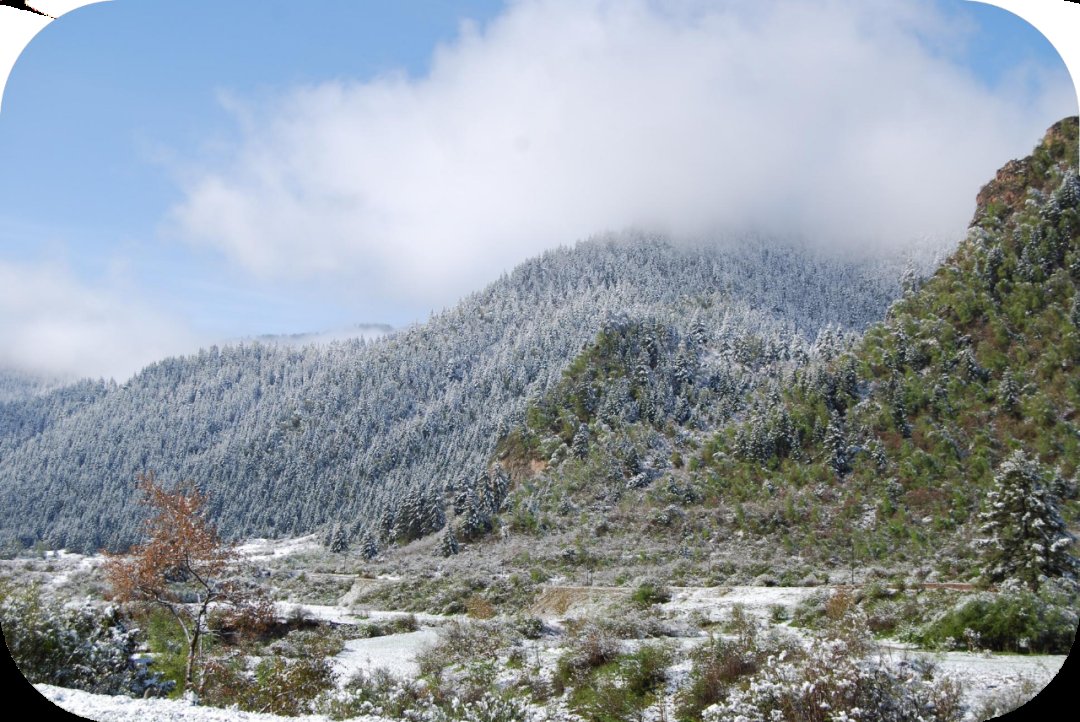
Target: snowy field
{"x": 103, "y": 708}
{"x": 395, "y": 653}
{"x": 984, "y": 677}
{"x": 716, "y": 603}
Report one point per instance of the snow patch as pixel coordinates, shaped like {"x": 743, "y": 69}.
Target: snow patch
{"x": 395, "y": 653}
{"x": 104, "y": 708}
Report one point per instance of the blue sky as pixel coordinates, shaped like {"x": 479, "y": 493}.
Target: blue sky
{"x": 176, "y": 173}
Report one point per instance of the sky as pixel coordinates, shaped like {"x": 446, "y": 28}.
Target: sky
{"x": 176, "y": 173}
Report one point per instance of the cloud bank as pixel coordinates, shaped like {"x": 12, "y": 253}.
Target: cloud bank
{"x": 840, "y": 121}
{"x": 54, "y": 325}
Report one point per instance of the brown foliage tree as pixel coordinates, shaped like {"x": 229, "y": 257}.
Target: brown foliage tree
{"x": 183, "y": 568}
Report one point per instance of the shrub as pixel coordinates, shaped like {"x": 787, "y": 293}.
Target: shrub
{"x": 644, "y": 671}
{"x": 375, "y": 692}
{"x": 590, "y": 648}
{"x": 529, "y": 627}
{"x": 322, "y": 642}
{"x": 479, "y": 608}
{"x": 716, "y": 665}
{"x": 276, "y": 686}
{"x": 460, "y": 643}
{"x": 608, "y": 687}
{"x": 1013, "y": 620}
{"x": 838, "y": 677}
{"x": 650, "y": 593}
{"x": 81, "y": 647}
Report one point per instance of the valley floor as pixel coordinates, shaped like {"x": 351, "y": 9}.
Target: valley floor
{"x": 985, "y": 678}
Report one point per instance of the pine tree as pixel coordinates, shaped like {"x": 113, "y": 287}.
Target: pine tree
{"x": 580, "y": 443}
{"x": 448, "y": 545}
{"x": 369, "y": 547}
{"x": 836, "y": 443}
{"x": 336, "y": 539}
{"x": 1009, "y": 394}
{"x": 1026, "y": 538}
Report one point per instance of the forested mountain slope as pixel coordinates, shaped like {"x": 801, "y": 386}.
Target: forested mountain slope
{"x": 901, "y": 448}
{"x": 374, "y": 435}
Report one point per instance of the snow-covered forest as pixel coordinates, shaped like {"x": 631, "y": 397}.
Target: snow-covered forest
{"x": 288, "y": 439}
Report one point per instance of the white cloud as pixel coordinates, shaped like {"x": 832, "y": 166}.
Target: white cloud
{"x": 57, "y": 326}
{"x": 838, "y": 120}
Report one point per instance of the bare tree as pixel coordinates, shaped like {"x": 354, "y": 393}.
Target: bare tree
{"x": 183, "y": 568}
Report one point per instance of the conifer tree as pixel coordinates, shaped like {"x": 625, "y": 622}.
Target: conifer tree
{"x": 337, "y": 541}
{"x": 448, "y": 545}
{"x": 1025, "y": 535}
{"x": 836, "y": 443}
{"x": 369, "y": 547}
{"x": 1009, "y": 394}
{"x": 580, "y": 443}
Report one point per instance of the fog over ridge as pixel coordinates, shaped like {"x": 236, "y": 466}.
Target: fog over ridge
{"x": 840, "y": 121}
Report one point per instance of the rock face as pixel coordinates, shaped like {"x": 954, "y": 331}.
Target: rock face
{"x": 1006, "y": 192}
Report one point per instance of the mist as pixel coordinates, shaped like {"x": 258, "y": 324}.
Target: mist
{"x": 842, "y": 122}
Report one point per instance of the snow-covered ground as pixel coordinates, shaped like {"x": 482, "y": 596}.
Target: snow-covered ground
{"x": 335, "y": 614}
{"x": 716, "y": 603}
{"x": 266, "y": 549}
{"x": 103, "y": 708}
{"x": 395, "y": 653}
{"x": 984, "y": 676}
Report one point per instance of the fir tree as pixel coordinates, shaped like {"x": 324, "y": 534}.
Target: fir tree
{"x": 580, "y": 443}
{"x": 336, "y": 540}
{"x": 448, "y": 545}
{"x": 369, "y": 547}
{"x": 1026, "y": 538}
{"x": 1009, "y": 394}
{"x": 836, "y": 443}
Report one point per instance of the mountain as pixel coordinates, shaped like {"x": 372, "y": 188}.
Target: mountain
{"x": 366, "y": 331}
{"x": 375, "y": 436}
{"x": 19, "y": 386}
{"x": 892, "y": 451}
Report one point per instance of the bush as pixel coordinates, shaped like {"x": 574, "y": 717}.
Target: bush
{"x": 1013, "y": 620}
{"x": 608, "y": 687}
{"x": 590, "y": 648}
{"x": 461, "y": 643}
{"x": 378, "y": 693}
{"x": 716, "y": 666}
{"x": 322, "y": 642}
{"x": 277, "y": 685}
{"x": 82, "y": 648}
{"x": 529, "y": 627}
{"x": 479, "y": 608}
{"x": 644, "y": 671}
{"x": 650, "y": 593}
{"x": 837, "y": 677}
{"x": 375, "y": 693}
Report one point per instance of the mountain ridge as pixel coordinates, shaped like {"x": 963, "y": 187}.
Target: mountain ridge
{"x": 286, "y": 440}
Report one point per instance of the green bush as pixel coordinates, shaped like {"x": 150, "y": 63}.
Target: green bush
{"x": 716, "y": 665}
{"x": 650, "y": 593}
{"x": 277, "y": 686}
{"x": 78, "y": 647}
{"x": 1012, "y": 620}
{"x": 644, "y": 671}
{"x": 609, "y": 687}
{"x": 836, "y": 677}
{"x": 591, "y": 647}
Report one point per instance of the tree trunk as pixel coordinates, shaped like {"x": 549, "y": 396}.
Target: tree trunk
{"x": 189, "y": 669}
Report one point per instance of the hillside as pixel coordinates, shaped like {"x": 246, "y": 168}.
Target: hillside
{"x": 372, "y": 435}
{"x": 882, "y": 454}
